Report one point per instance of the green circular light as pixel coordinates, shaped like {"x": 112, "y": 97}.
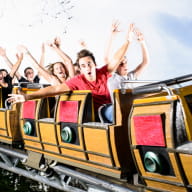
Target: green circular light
{"x": 152, "y": 162}
{"x": 66, "y": 134}
{"x": 27, "y": 128}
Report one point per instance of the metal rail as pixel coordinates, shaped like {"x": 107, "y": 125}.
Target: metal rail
{"x": 151, "y": 89}
{"x": 156, "y": 86}
{"x": 92, "y": 180}
{"x": 10, "y": 159}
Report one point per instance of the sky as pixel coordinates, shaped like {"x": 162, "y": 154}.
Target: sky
{"x": 166, "y": 25}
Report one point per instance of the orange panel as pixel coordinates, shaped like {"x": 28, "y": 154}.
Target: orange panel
{"x": 186, "y": 160}
{"x": 73, "y": 153}
{"x": 165, "y": 187}
{"x": 33, "y": 144}
{"x": 3, "y": 132}
{"x": 96, "y": 140}
{"x": 100, "y": 159}
{"x": 51, "y": 148}
{"x": 2, "y": 119}
{"x": 48, "y": 132}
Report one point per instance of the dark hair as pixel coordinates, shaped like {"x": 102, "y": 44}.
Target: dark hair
{"x": 75, "y": 64}
{"x": 85, "y": 53}
{"x": 25, "y": 70}
{"x": 1, "y": 70}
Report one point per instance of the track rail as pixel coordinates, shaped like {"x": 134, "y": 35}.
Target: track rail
{"x": 58, "y": 176}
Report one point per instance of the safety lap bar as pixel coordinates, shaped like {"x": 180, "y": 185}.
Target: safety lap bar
{"x": 151, "y": 89}
{"x": 7, "y": 104}
{"x": 31, "y": 85}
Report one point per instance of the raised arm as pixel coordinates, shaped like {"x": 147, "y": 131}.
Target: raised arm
{"x": 42, "y": 59}
{"x": 82, "y": 44}
{"x": 16, "y": 65}
{"x": 4, "y": 56}
{"x": 120, "y": 53}
{"x": 108, "y": 51}
{"x": 145, "y": 53}
{"x": 8, "y": 62}
{"x": 56, "y": 46}
{"x": 41, "y": 70}
{"x": 48, "y": 91}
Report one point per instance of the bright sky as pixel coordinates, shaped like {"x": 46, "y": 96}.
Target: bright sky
{"x": 166, "y": 25}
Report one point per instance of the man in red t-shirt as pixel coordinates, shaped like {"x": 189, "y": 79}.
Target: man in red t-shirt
{"x": 90, "y": 78}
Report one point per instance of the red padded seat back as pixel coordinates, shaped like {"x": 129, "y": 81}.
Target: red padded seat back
{"x": 149, "y": 130}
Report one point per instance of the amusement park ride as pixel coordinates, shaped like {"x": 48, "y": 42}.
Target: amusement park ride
{"x": 148, "y": 147}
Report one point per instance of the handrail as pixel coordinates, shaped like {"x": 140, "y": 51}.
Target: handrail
{"x": 8, "y": 105}
{"x": 139, "y": 81}
{"x": 151, "y": 89}
{"x": 30, "y": 85}
{"x": 60, "y": 170}
{"x": 157, "y": 86}
{"x": 123, "y": 88}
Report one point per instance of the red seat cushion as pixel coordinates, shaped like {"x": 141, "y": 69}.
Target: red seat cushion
{"x": 68, "y": 111}
{"x": 149, "y": 130}
{"x": 29, "y": 108}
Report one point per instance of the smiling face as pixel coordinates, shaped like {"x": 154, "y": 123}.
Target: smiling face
{"x": 88, "y": 68}
{"x": 5, "y": 73}
{"x": 59, "y": 70}
{"x": 123, "y": 68}
{"x": 29, "y": 74}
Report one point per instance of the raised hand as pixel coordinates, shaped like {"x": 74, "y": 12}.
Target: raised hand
{"x": 115, "y": 27}
{"x": 2, "y": 52}
{"x": 57, "y": 42}
{"x": 22, "y": 49}
{"x": 43, "y": 48}
{"x": 82, "y": 43}
{"x": 130, "y": 33}
{"x": 16, "y": 98}
{"x": 139, "y": 35}
{"x": 19, "y": 56}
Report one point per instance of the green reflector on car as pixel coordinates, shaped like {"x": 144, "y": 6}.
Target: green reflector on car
{"x": 152, "y": 162}
{"x": 66, "y": 134}
{"x": 27, "y": 128}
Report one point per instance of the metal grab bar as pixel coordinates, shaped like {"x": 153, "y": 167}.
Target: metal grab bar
{"x": 8, "y": 105}
{"x": 30, "y": 85}
{"x": 156, "y": 86}
{"x": 139, "y": 81}
{"x": 123, "y": 87}
{"x": 151, "y": 89}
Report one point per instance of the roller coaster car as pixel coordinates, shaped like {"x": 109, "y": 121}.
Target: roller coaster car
{"x": 9, "y": 123}
{"x": 30, "y": 112}
{"x": 160, "y": 131}
{"x": 73, "y": 137}
{"x": 151, "y": 134}
{"x": 10, "y": 132}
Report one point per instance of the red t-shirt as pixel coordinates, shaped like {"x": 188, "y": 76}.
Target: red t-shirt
{"x": 98, "y": 88}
